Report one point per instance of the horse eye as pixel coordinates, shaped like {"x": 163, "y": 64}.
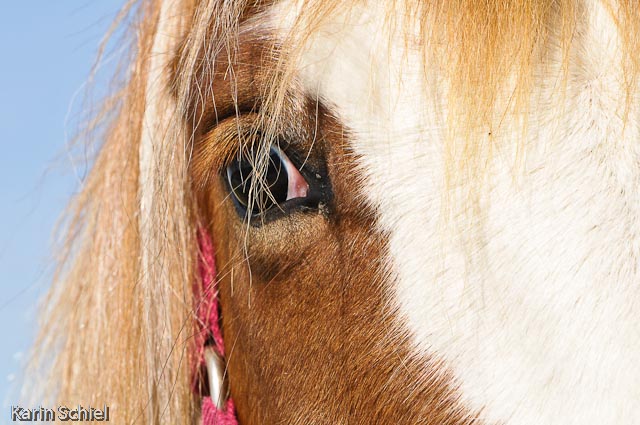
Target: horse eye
{"x": 280, "y": 183}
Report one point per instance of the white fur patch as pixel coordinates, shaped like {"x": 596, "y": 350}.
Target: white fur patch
{"x": 537, "y": 314}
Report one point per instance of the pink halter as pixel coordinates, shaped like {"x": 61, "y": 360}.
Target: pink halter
{"x": 208, "y": 311}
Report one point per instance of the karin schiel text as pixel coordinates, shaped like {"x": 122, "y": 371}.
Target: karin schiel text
{"x": 60, "y": 413}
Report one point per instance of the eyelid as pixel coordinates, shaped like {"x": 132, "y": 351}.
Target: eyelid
{"x": 216, "y": 149}
{"x": 221, "y": 144}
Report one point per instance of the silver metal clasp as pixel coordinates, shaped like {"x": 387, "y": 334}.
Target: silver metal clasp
{"x": 216, "y": 372}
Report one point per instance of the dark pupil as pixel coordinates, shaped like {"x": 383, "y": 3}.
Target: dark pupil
{"x": 240, "y": 175}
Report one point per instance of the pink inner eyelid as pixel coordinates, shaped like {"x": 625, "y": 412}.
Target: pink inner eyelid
{"x": 297, "y": 185}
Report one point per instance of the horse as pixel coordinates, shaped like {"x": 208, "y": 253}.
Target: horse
{"x": 356, "y": 212}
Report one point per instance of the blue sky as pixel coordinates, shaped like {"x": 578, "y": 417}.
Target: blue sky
{"x": 46, "y": 50}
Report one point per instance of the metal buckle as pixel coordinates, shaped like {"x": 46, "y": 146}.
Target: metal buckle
{"x": 216, "y": 372}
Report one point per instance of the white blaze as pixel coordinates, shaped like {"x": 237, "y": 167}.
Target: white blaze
{"x": 537, "y": 316}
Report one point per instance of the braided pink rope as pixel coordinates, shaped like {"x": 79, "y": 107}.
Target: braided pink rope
{"x": 211, "y": 415}
{"x": 209, "y": 314}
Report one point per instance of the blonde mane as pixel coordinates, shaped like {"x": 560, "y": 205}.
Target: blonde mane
{"x": 118, "y": 322}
